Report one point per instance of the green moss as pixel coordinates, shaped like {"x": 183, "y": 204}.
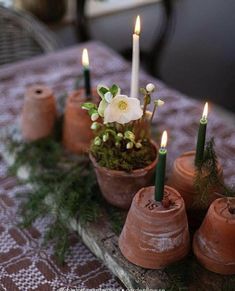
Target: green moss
{"x": 120, "y": 158}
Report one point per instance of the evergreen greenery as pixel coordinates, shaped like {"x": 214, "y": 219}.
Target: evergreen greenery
{"x": 64, "y": 185}
{"x": 207, "y": 177}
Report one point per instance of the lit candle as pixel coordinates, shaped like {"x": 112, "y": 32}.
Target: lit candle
{"x": 161, "y": 168}
{"x": 201, "y": 136}
{"x": 135, "y": 60}
{"x": 86, "y": 72}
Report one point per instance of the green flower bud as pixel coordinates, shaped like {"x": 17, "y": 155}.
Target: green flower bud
{"x": 97, "y": 141}
{"x": 150, "y": 87}
{"x": 105, "y": 137}
{"x": 94, "y": 116}
{"x": 129, "y": 135}
{"x": 120, "y": 135}
{"x": 159, "y": 102}
{"x": 129, "y": 145}
{"x": 117, "y": 144}
{"x": 138, "y": 145}
{"x": 94, "y": 125}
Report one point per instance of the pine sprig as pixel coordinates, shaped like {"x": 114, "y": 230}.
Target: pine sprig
{"x": 62, "y": 185}
{"x": 207, "y": 177}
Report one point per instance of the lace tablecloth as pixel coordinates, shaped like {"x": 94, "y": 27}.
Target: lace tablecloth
{"x": 25, "y": 264}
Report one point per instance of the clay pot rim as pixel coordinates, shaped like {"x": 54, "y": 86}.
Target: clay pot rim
{"x": 32, "y": 93}
{"x": 162, "y": 212}
{"x": 217, "y": 215}
{"x": 187, "y": 173}
{"x": 78, "y": 97}
{"x": 121, "y": 173}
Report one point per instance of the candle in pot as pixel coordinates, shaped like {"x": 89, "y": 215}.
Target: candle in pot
{"x": 161, "y": 169}
{"x": 201, "y": 136}
{"x": 135, "y": 60}
{"x": 86, "y": 72}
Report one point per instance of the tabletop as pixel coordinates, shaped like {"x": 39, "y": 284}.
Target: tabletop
{"x": 25, "y": 264}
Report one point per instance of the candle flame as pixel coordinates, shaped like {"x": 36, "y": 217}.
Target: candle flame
{"x": 205, "y": 111}
{"x": 137, "y": 25}
{"x": 164, "y": 139}
{"x": 85, "y": 58}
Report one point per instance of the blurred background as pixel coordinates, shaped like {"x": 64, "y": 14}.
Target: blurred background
{"x": 189, "y": 44}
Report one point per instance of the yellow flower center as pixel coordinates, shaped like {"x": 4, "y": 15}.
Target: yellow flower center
{"x": 122, "y": 105}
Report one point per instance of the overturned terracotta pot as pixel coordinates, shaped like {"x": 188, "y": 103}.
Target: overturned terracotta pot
{"x": 155, "y": 236}
{"x": 182, "y": 179}
{"x": 77, "y": 134}
{"x": 39, "y": 113}
{"x": 119, "y": 187}
{"x": 214, "y": 242}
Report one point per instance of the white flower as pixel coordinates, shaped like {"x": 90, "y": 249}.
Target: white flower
{"x": 123, "y": 109}
{"x": 159, "y": 102}
{"x": 108, "y": 97}
{"x": 150, "y": 87}
{"x": 94, "y": 116}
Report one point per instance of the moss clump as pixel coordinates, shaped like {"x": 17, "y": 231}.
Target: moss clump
{"x": 122, "y": 159}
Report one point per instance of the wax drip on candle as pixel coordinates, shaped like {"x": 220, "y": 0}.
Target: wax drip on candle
{"x": 161, "y": 169}
{"x": 86, "y": 72}
{"x": 201, "y": 136}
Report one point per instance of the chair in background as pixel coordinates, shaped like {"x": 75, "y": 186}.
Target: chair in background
{"x": 22, "y": 36}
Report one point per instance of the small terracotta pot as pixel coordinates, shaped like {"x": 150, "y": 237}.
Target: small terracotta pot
{"x": 214, "y": 242}
{"x": 182, "y": 179}
{"x": 153, "y": 236}
{"x": 119, "y": 187}
{"x": 39, "y": 113}
{"x": 77, "y": 132}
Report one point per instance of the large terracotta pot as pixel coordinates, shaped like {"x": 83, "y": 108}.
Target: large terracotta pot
{"x": 39, "y": 113}
{"x": 182, "y": 179}
{"x": 77, "y": 132}
{"x": 154, "y": 236}
{"x": 214, "y": 242}
{"x": 119, "y": 187}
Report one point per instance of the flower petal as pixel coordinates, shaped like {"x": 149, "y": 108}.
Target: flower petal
{"x": 103, "y": 104}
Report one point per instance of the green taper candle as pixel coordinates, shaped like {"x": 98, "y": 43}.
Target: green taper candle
{"x": 201, "y": 138}
{"x": 161, "y": 169}
{"x": 86, "y": 72}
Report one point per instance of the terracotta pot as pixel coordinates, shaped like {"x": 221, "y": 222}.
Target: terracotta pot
{"x": 182, "y": 179}
{"x": 119, "y": 187}
{"x": 153, "y": 236}
{"x": 39, "y": 113}
{"x": 214, "y": 242}
{"x": 77, "y": 134}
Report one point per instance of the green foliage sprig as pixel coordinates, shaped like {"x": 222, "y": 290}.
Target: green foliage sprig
{"x": 208, "y": 178}
{"x": 63, "y": 185}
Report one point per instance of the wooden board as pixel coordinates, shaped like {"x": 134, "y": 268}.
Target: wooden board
{"x": 103, "y": 242}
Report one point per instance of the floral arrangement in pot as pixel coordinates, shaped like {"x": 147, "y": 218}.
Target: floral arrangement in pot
{"x": 122, "y": 152}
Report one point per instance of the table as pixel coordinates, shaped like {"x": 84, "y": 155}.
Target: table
{"x": 25, "y": 264}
